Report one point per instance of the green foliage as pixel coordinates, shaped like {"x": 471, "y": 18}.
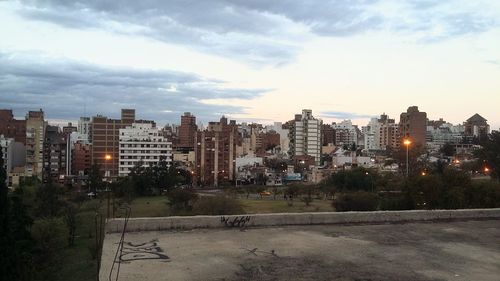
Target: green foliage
{"x": 483, "y": 195}
{"x": 48, "y": 201}
{"x": 352, "y": 180}
{"x": 217, "y": 205}
{"x": 70, "y": 212}
{"x": 150, "y": 180}
{"x": 447, "y": 149}
{"x": 50, "y": 235}
{"x": 356, "y": 201}
{"x": 94, "y": 180}
{"x": 181, "y": 200}
{"x": 123, "y": 188}
{"x": 490, "y": 154}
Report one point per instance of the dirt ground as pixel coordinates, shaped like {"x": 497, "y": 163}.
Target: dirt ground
{"x": 417, "y": 251}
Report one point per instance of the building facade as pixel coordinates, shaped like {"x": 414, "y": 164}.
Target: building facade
{"x": 106, "y": 140}
{"x": 35, "y": 136}
{"x": 187, "y": 131}
{"x": 216, "y": 153}
{"x": 477, "y": 127}
{"x": 11, "y": 127}
{"x": 55, "y": 154}
{"x": 413, "y": 126}
{"x": 305, "y": 136}
{"x": 142, "y": 143}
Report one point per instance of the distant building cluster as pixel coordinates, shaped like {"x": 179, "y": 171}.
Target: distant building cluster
{"x": 224, "y": 151}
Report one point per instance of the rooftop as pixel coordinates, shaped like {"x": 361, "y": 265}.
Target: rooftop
{"x": 464, "y": 250}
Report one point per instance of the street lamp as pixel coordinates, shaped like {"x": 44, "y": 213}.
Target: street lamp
{"x": 107, "y": 158}
{"x": 407, "y": 143}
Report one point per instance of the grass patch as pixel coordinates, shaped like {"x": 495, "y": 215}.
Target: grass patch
{"x": 255, "y": 206}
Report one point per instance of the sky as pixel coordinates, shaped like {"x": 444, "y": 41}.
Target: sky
{"x": 253, "y": 61}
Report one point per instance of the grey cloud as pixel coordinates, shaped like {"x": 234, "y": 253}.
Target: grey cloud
{"x": 260, "y": 32}
{"x": 65, "y": 88}
{"x": 343, "y": 115}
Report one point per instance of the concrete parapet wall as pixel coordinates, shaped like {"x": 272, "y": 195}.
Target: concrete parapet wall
{"x": 281, "y": 219}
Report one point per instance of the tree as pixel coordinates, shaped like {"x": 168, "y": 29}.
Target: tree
{"x": 94, "y": 180}
{"x": 70, "y": 213}
{"x": 47, "y": 201}
{"x": 490, "y": 154}
{"x": 15, "y": 240}
{"x": 448, "y": 149}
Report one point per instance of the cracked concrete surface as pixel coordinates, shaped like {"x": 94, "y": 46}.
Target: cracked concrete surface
{"x": 459, "y": 251}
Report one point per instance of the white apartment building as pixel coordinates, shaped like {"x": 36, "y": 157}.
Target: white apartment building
{"x": 381, "y": 133}
{"x": 446, "y": 133}
{"x": 83, "y": 129}
{"x": 284, "y": 139}
{"x": 345, "y": 133}
{"x": 142, "y": 142}
{"x": 6, "y": 150}
{"x": 305, "y": 137}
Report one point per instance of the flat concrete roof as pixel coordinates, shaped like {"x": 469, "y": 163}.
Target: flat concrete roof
{"x": 466, "y": 250}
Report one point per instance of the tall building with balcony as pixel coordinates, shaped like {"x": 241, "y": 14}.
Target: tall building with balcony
{"x": 216, "y": 153}
{"x": 413, "y": 126}
{"x": 35, "y": 136}
{"x": 81, "y": 159}
{"x": 142, "y": 143}
{"x": 381, "y": 133}
{"x": 55, "y": 154}
{"x": 84, "y": 128}
{"x": 187, "y": 131}
{"x": 345, "y": 133}
{"x": 11, "y": 127}
{"x": 305, "y": 136}
{"x": 106, "y": 137}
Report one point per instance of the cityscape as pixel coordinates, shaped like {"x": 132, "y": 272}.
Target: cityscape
{"x": 227, "y": 152}
{"x": 226, "y": 140}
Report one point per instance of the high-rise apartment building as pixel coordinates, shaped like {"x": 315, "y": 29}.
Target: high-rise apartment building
{"x": 216, "y": 153}
{"x": 328, "y": 135}
{"x": 81, "y": 159}
{"x": 142, "y": 143}
{"x": 187, "y": 131}
{"x": 84, "y": 128}
{"x": 413, "y": 126}
{"x": 305, "y": 136}
{"x": 106, "y": 138}
{"x": 345, "y": 133}
{"x": 12, "y": 128}
{"x": 55, "y": 154}
{"x": 381, "y": 134}
{"x": 35, "y": 136}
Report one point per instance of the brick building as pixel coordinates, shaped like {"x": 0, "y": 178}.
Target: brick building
{"x": 216, "y": 153}
{"x": 187, "y": 131}
{"x": 12, "y": 128}
{"x": 105, "y": 140}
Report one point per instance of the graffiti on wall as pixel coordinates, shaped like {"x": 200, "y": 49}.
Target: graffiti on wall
{"x": 238, "y": 221}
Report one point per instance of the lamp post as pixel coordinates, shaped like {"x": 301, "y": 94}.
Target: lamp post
{"x": 107, "y": 158}
{"x": 407, "y": 143}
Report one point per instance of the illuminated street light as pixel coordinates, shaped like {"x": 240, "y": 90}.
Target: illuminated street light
{"x": 407, "y": 143}
{"x": 486, "y": 169}
{"x": 424, "y": 173}
{"x": 107, "y": 157}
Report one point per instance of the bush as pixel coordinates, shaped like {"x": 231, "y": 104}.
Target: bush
{"x": 217, "y": 205}
{"x": 181, "y": 200}
{"x": 395, "y": 203}
{"x": 357, "y": 201}
{"x": 483, "y": 195}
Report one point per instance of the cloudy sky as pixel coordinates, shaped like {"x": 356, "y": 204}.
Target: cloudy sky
{"x": 253, "y": 60}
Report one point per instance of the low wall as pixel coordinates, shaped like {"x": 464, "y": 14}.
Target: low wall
{"x": 280, "y": 219}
